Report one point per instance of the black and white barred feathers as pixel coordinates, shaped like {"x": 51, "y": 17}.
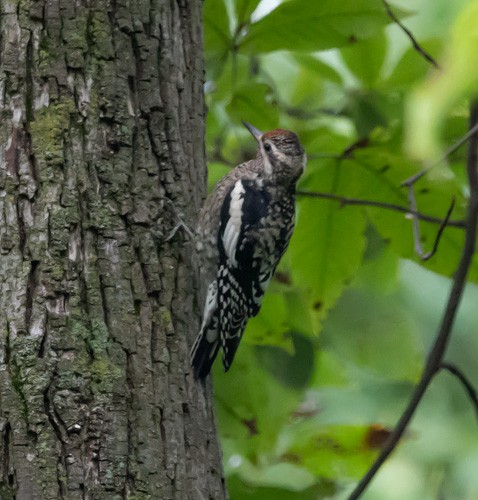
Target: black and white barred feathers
{"x": 243, "y": 230}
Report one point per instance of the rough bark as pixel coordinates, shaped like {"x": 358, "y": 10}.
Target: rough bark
{"x": 101, "y": 157}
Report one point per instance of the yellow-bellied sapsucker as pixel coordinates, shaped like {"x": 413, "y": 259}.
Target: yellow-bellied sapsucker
{"x": 243, "y": 230}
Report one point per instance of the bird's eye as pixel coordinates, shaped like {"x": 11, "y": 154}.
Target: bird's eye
{"x": 267, "y": 146}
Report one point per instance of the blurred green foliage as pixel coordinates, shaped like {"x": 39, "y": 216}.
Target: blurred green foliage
{"x": 326, "y": 368}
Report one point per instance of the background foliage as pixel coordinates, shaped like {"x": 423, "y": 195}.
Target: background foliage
{"x": 326, "y": 368}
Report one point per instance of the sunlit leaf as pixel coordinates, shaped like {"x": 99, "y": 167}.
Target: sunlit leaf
{"x": 411, "y": 67}
{"x": 328, "y": 451}
{"x": 244, "y": 8}
{"x": 328, "y": 243}
{"x": 456, "y": 80}
{"x": 302, "y": 25}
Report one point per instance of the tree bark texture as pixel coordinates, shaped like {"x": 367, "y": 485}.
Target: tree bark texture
{"x": 101, "y": 161}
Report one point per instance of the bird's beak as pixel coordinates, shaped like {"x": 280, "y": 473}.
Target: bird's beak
{"x": 253, "y": 130}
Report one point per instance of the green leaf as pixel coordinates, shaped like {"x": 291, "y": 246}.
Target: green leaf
{"x": 367, "y": 112}
{"x": 364, "y": 326}
{"x": 429, "y": 19}
{"x": 300, "y": 317}
{"x": 234, "y": 73}
{"x": 243, "y": 490}
{"x": 270, "y": 326}
{"x": 330, "y": 370}
{"x": 299, "y": 81}
{"x": 379, "y": 271}
{"x": 411, "y": 67}
{"x": 216, "y": 171}
{"x": 295, "y": 84}
{"x": 217, "y": 36}
{"x": 365, "y": 58}
{"x": 316, "y": 67}
{"x": 328, "y": 243}
{"x": 294, "y": 369}
{"x": 331, "y": 451}
{"x": 253, "y": 102}
{"x": 243, "y": 9}
{"x": 282, "y": 475}
{"x": 249, "y": 412}
{"x": 382, "y": 172}
{"x": 456, "y": 80}
{"x": 303, "y": 25}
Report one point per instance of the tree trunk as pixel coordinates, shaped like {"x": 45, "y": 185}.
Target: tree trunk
{"x": 101, "y": 162}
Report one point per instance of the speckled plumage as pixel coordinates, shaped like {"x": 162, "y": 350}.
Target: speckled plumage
{"x": 243, "y": 230}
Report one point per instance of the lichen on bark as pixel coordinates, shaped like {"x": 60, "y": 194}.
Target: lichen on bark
{"x": 101, "y": 133}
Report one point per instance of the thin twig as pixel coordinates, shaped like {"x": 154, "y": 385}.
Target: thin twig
{"x": 416, "y": 226}
{"x": 412, "y": 202}
{"x": 436, "y": 354}
{"x": 470, "y": 390}
{"x": 442, "y": 227}
{"x": 379, "y": 204}
{"x": 415, "y": 44}
{"x": 180, "y": 222}
{"x": 348, "y": 152}
{"x": 414, "y": 178}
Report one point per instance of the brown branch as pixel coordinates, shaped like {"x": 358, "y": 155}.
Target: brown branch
{"x": 415, "y": 44}
{"x": 470, "y": 390}
{"x": 416, "y": 226}
{"x": 379, "y": 204}
{"x": 435, "y": 356}
{"x": 409, "y": 184}
{"x": 442, "y": 227}
{"x": 348, "y": 152}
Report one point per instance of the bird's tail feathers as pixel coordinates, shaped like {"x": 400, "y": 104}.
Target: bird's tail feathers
{"x": 203, "y": 355}
{"x": 230, "y": 341}
{"x": 234, "y": 311}
{"x": 206, "y": 345}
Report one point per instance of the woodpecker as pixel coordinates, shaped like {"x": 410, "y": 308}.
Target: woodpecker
{"x": 243, "y": 230}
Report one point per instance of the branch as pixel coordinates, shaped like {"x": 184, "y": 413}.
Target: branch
{"x": 470, "y": 390}
{"x": 416, "y": 226}
{"x": 415, "y": 44}
{"x": 436, "y": 355}
{"x": 388, "y": 206}
{"x": 414, "y": 178}
{"x": 442, "y": 227}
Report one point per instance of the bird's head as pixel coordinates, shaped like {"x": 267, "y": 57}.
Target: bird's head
{"x": 283, "y": 154}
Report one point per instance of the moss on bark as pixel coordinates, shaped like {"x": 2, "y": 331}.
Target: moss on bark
{"x": 101, "y": 156}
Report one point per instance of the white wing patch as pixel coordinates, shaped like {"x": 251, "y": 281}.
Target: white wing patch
{"x": 234, "y": 223}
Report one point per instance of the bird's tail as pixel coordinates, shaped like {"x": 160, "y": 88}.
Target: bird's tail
{"x": 230, "y": 341}
{"x": 234, "y": 312}
{"x": 206, "y": 345}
